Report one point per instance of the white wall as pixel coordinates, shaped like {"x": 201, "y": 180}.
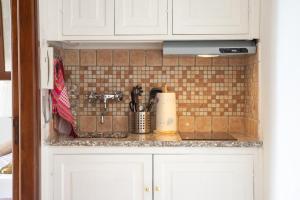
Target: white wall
{"x": 5, "y": 111}
{"x": 280, "y": 98}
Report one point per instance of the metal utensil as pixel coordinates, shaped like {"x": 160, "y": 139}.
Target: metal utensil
{"x": 135, "y": 93}
{"x": 152, "y": 98}
{"x": 141, "y": 108}
{"x": 132, "y": 106}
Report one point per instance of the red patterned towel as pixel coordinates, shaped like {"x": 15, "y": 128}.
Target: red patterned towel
{"x": 60, "y": 100}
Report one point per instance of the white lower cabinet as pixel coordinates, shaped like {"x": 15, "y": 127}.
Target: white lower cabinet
{"x": 193, "y": 177}
{"x": 153, "y": 177}
{"x": 102, "y": 177}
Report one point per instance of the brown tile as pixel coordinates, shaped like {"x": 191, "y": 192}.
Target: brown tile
{"x": 203, "y": 124}
{"x": 71, "y": 57}
{"x": 121, "y": 57}
{"x": 137, "y": 57}
{"x": 104, "y": 57}
{"x": 203, "y": 61}
{"x": 237, "y": 60}
{"x": 253, "y": 127}
{"x": 120, "y": 123}
{"x": 106, "y": 126}
{"x": 154, "y": 58}
{"x": 236, "y": 125}
{"x": 153, "y": 122}
{"x": 187, "y": 135}
{"x": 87, "y": 57}
{"x": 252, "y": 59}
{"x": 87, "y": 123}
{"x": 222, "y": 60}
{"x": 187, "y": 60}
{"x": 186, "y": 124}
{"x": 201, "y": 92}
{"x": 131, "y": 123}
{"x": 170, "y": 60}
{"x": 220, "y": 124}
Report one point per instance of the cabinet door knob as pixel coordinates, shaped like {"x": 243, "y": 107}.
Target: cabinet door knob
{"x": 157, "y": 188}
{"x": 147, "y": 189}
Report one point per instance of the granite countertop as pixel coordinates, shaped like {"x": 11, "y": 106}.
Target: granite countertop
{"x": 155, "y": 140}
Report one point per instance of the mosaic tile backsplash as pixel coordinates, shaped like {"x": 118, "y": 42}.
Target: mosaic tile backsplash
{"x": 213, "y": 94}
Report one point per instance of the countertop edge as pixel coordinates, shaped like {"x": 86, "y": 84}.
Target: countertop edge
{"x": 111, "y": 143}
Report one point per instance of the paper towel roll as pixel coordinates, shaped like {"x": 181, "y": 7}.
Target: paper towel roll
{"x": 166, "y": 118}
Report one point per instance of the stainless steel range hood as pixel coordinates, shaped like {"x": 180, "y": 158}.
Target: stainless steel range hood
{"x": 209, "y": 48}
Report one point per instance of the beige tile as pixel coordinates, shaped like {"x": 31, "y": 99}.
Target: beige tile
{"x": 106, "y": 126}
{"x": 237, "y": 60}
{"x": 154, "y": 58}
{"x": 120, "y": 123}
{"x": 170, "y": 60}
{"x": 87, "y": 124}
{"x": 236, "y": 125}
{"x": 186, "y": 123}
{"x": 221, "y": 61}
{"x": 187, "y": 60}
{"x": 87, "y": 57}
{"x": 220, "y": 124}
{"x": 137, "y": 58}
{"x": 121, "y": 57}
{"x": 71, "y": 57}
{"x": 104, "y": 57}
{"x": 203, "y": 61}
{"x": 203, "y": 124}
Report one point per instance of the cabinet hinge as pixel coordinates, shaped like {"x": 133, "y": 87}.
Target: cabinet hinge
{"x": 16, "y": 130}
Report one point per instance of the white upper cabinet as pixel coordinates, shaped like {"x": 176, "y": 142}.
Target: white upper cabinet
{"x": 195, "y": 177}
{"x": 211, "y": 17}
{"x": 87, "y": 17}
{"x": 149, "y": 20}
{"x": 141, "y": 17}
{"x": 107, "y": 177}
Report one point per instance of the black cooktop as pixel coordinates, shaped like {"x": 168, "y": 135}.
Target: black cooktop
{"x": 206, "y": 136}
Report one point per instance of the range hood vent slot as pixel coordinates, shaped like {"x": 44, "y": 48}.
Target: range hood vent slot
{"x": 210, "y": 47}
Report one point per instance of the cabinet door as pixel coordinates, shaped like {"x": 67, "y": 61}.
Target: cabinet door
{"x": 88, "y": 17}
{"x": 210, "y": 17}
{"x": 193, "y": 177}
{"x": 97, "y": 177}
{"x": 141, "y": 17}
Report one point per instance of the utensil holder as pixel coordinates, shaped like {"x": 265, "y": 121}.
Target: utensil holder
{"x": 140, "y": 122}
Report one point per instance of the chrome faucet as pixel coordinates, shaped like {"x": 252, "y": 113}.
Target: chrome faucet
{"x": 93, "y": 97}
{"x": 118, "y": 96}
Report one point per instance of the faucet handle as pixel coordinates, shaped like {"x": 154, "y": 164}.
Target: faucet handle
{"x": 92, "y": 97}
{"x": 119, "y": 95}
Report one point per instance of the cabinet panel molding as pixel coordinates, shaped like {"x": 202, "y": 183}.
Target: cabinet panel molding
{"x": 93, "y": 17}
{"x": 209, "y": 177}
{"x": 108, "y": 177}
{"x": 211, "y": 17}
{"x": 141, "y": 17}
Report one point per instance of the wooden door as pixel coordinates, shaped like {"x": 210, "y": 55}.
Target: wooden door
{"x": 211, "y": 17}
{"x": 83, "y": 18}
{"x": 15, "y": 98}
{"x": 26, "y": 104}
{"x": 141, "y": 17}
{"x": 109, "y": 177}
{"x": 197, "y": 177}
